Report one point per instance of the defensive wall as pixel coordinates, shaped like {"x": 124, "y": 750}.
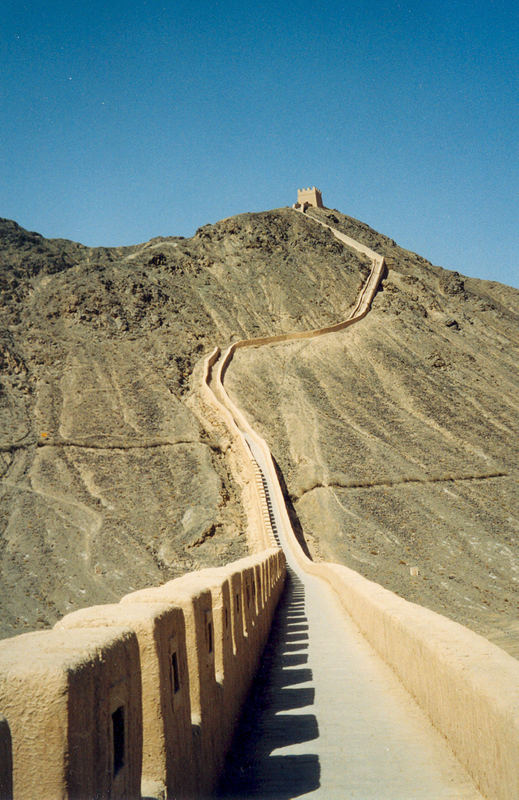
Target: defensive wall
{"x": 137, "y": 696}
{"x": 468, "y": 687}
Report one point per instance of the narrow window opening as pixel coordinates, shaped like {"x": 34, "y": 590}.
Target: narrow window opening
{"x": 248, "y": 596}
{"x": 237, "y": 603}
{"x": 226, "y": 617}
{"x": 175, "y": 680}
{"x": 118, "y": 739}
{"x": 210, "y": 636}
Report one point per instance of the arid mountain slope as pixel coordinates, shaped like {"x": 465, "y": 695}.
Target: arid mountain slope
{"x": 108, "y": 481}
{"x": 397, "y": 438}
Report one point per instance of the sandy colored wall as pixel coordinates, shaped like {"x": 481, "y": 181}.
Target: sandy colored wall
{"x": 178, "y": 659}
{"x": 468, "y": 687}
{"x": 160, "y": 632}
{"x": 59, "y": 691}
{"x": 215, "y": 414}
{"x": 221, "y": 666}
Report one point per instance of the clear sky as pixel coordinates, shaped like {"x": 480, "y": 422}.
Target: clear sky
{"x": 120, "y": 121}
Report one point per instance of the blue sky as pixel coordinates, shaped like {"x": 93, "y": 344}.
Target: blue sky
{"x": 123, "y": 121}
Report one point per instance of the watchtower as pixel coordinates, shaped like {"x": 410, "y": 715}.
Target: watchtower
{"x": 309, "y": 197}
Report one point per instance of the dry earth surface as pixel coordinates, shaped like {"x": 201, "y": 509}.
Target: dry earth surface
{"x": 397, "y": 438}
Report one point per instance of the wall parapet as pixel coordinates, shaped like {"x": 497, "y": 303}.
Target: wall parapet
{"x": 137, "y": 696}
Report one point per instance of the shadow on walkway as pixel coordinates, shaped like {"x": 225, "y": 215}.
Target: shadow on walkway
{"x": 251, "y": 770}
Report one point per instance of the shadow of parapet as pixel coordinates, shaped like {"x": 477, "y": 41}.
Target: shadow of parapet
{"x": 292, "y": 513}
{"x": 252, "y": 771}
{"x": 6, "y": 761}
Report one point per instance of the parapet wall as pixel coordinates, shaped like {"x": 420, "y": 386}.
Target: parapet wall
{"x": 141, "y": 695}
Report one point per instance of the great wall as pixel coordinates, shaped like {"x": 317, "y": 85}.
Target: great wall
{"x": 141, "y": 698}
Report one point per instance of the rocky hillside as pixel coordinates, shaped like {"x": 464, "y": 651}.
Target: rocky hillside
{"x": 108, "y": 481}
{"x": 396, "y": 438}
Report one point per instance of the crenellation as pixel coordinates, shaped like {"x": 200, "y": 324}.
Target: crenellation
{"x": 136, "y": 676}
{"x": 160, "y": 630}
{"x": 311, "y": 196}
{"x": 73, "y": 703}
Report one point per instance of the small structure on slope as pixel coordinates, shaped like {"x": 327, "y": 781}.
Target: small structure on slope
{"x": 309, "y": 197}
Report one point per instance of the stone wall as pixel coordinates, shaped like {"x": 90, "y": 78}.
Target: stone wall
{"x": 141, "y": 695}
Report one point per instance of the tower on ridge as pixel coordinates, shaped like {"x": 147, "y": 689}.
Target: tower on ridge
{"x": 309, "y": 197}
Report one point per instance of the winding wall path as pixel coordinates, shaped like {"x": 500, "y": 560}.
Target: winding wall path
{"x": 331, "y": 719}
{"x": 349, "y": 729}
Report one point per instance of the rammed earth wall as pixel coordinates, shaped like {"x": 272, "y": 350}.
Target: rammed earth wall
{"x": 148, "y": 689}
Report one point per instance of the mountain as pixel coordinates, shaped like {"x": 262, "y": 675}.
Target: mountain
{"x": 395, "y": 438}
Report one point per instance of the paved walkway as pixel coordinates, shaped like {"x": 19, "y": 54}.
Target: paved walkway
{"x": 328, "y": 719}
